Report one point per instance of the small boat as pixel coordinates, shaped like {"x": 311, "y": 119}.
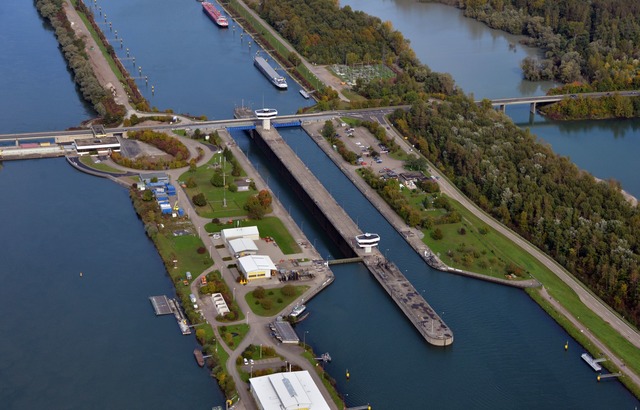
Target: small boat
{"x": 197, "y": 353}
{"x": 297, "y": 311}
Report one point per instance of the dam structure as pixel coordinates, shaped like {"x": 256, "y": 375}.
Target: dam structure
{"x": 343, "y": 232}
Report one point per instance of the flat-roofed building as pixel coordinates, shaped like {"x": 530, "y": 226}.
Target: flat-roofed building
{"x": 102, "y": 146}
{"x": 248, "y": 232}
{"x": 287, "y": 391}
{"x": 242, "y": 247}
{"x": 256, "y": 267}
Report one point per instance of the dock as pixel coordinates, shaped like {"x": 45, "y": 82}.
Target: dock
{"x": 161, "y": 305}
{"x": 343, "y": 231}
{"x": 592, "y": 362}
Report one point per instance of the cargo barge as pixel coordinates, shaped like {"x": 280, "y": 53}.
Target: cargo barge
{"x": 214, "y": 14}
{"x": 269, "y": 72}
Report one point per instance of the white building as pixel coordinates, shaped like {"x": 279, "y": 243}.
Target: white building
{"x": 248, "y": 232}
{"x": 287, "y": 391}
{"x": 256, "y": 267}
{"x": 242, "y": 247}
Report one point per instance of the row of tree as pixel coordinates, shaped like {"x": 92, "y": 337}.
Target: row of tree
{"x": 73, "y": 49}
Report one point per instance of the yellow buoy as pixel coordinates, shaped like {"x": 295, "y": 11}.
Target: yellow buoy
{"x": 566, "y": 345}
{"x": 598, "y": 377}
{"x": 348, "y": 374}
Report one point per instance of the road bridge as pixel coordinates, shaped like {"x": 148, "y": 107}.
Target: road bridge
{"x": 502, "y": 103}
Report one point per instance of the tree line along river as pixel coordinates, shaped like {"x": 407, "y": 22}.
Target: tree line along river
{"x": 508, "y": 352}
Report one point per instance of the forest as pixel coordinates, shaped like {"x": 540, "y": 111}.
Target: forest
{"x": 593, "y": 41}
{"x": 585, "y": 225}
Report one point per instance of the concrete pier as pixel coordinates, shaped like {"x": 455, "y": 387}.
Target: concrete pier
{"x": 343, "y": 230}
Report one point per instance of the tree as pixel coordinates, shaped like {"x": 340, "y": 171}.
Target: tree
{"x": 437, "y": 234}
{"x": 199, "y": 199}
{"x": 147, "y": 195}
{"x": 217, "y": 180}
{"x": 288, "y": 290}
{"x": 264, "y": 196}
{"x": 254, "y": 208}
{"x": 259, "y": 292}
{"x": 328, "y": 130}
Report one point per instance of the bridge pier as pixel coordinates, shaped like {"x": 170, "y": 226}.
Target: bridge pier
{"x": 503, "y": 107}
{"x": 17, "y": 143}
{"x": 532, "y": 107}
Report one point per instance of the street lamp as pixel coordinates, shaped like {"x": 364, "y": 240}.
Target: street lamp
{"x": 304, "y": 340}
{"x": 234, "y": 293}
{"x": 247, "y": 317}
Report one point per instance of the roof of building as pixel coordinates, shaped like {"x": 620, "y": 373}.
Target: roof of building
{"x": 251, "y": 263}
{"x": 240, "y": 232}
{"x": 289, "y": 391}
{"x": 97, "y": 142}
{"x": 240, "y": 245}
{"x": 160, "y": 176}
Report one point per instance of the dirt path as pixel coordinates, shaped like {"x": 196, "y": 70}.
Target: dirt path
{"x": 105, "y": 75}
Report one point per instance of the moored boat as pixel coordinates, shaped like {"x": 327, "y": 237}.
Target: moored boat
{"x": 297, "y": 312}
{"x": 214, "y": 14}
{"x": 269, "y": 72}
{"x": 197, "y": 353}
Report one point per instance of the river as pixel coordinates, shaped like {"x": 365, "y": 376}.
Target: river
{"x": 508, "y": 353}
{"x": 486, "y": 63}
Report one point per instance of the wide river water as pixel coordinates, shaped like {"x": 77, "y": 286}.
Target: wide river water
{"x": 93, "y": 342}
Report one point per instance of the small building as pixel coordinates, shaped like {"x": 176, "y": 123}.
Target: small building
{"x": 242, "y": 247}
{"x": 413, "y": 176}
{"x": 287, "y": 391}
{"x": 160, "y": 177}
{"x": 248, "y": 232}
{"x": 243, "y": 184}
{"x": 220, "y": 304}
{"x": 256, "y": 267}
{"x": 102, "y": 146}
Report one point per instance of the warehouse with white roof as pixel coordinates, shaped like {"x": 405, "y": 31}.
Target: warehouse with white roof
{"x": 256, "y": 267}
{"x": 287, "y": 391}
{"x": 247, "y": 232}
{"x": 242, "y": 247}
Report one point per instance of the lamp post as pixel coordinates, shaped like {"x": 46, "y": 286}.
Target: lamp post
{"x": 304, "y": 340}
{"x": 247, "y": 317}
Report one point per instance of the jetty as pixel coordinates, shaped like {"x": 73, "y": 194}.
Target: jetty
{"x": 161, "y": 305}
{"x": 343, "y": 230}
{"x": 592, "y": 362}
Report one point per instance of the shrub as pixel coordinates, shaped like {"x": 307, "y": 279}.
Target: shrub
{"x": 259, "y": 292}
{"x": 288, "y": 290}
{"x": 199, "y": 199}
{"x": 437, "y": 234}
{"x": 202, "y": 250}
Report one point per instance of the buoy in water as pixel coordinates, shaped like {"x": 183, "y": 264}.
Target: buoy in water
{"x": 80, "y": 274}
{"x": 348, "y": 374}
{"x": 566, "y": 345}
{"x": 598, "y": 377}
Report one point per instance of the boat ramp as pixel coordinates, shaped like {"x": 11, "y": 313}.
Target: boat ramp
{"x": 343, "y": 231}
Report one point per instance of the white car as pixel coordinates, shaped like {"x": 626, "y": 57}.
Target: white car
{"x": 246, "y": 362}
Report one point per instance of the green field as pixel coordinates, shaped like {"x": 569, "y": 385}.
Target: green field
{"x": 269, "y": 226}
{"x": 217, "y": 197}
{"x": 278, "y": 301}
{"x": 233, "y": 335}
{"x": 88, "y": 161}
{"x": 488, "y": 253}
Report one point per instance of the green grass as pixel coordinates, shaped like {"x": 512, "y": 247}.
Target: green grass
{"x": 492, "y": 251}
{"x": 88, "y": 161}
{"x": 273, "y": 294}
{"x": 269, "y": 226}
{"x": 236, "y": 333}
{"x": 184, "y": 250}
{"x": 182, "y": 133}
{"x": 216, "y": 197}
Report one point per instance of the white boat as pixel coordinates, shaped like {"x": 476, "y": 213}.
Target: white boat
{"x": 368, "y": 240}
{"x": 297, "y": 311}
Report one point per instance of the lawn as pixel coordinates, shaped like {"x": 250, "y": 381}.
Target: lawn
{"x": 233, "y": 335}
{"x": 270, "y": 226}
{"x": 88, "y": 161}
{"x": 217, "y": 197}
{"x": 183, "y": 249}
{"x": 275, "y": 297}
